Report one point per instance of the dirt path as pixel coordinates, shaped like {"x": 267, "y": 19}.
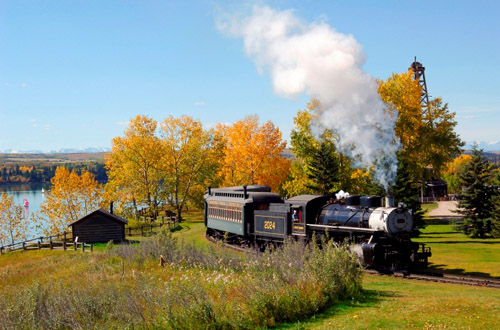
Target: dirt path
{"x": 445, "y": 210}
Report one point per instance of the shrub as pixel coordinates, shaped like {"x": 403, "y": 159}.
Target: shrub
{"x": 199, "y": 288}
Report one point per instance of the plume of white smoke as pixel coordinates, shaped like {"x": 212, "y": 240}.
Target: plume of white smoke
{"x": 326, "y": 65}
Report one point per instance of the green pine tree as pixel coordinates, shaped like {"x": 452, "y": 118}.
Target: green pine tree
{"x": 407, "y": 191}
{"x": 323, "y": 169}
{"x": 476, "y": 199}
{"x": 495, "y": 220}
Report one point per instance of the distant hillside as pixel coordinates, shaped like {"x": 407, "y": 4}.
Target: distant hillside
{"x": 491, "y": 156}
{"x": 9, "y": 159}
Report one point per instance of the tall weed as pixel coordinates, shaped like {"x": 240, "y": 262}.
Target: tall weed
{"x": 199, "y": 288}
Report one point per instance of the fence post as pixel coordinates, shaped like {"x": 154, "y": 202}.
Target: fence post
{"x": 83, "y": 247}
{"x": 92, "y": 247}
{"x": 64, "y": 243}
{"x": 24, "y": 246}
{"x": 142, "y": 231}
{"x": 39, "y": 245}
{"x": 50, "y": 243}
{"x": 74, "y": 245}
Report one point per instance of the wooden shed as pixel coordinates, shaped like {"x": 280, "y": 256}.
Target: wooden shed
{"x": 99, "y": 226}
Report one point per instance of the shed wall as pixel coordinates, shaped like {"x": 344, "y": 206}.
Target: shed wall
{"x": 99, "y": 229}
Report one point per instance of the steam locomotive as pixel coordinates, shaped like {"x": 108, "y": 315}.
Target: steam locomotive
{"x": 254, "y": 216}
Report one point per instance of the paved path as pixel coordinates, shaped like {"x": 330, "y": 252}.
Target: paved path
{"x": 445, "y": 210}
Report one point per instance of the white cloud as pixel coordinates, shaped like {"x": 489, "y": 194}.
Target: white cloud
{"x": 199, "y": 104}
{"x": 47, "y": 127}
{"x": 122, "y": 123}
{"x": 316, "y": 60}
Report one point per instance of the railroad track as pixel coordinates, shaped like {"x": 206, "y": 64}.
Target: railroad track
{"x": 444, "y": 278}
{"x": 431, "y": 277}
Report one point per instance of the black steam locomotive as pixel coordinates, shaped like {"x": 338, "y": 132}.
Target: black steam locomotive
{"x": 254, "y": 216}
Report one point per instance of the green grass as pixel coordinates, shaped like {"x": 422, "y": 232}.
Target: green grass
{"x": 392, "y": 303}
{"x": 386, "y": 302}
{"x": 429, "y": 207}
{"x": 454, "y": 252}
{"x": 126, "y": 287}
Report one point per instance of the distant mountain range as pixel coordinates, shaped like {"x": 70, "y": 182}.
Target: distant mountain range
{"x": 58, "y": 151}
{"x": 486, "y": 146}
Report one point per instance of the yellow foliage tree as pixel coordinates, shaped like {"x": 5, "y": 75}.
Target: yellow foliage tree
{"x": 252, "y": 154}
{"x": 457, "y": 164}
{"x": 190, "y": 160}
{"x": 134, "y": 166}
{"x": 70, "y": 197}
{"x": 428, "y": 141}
{"x": 14, "y": 225}
{"x": 452, "y": 170}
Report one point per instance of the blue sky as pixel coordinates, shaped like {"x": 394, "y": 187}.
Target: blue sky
{"x": 72, "y": 73}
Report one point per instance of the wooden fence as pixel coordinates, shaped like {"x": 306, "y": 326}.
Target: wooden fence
{"x": 57, "y": 242}
{"x": 429, "y": 200}
{"x": 160, "y": 208}
{"x": 150, "y": 226}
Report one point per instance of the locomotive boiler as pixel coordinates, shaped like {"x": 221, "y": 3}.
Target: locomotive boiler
{"x": 254, "y": 216}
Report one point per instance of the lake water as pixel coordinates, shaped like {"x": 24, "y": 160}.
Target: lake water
{"x": 32, "y": 192}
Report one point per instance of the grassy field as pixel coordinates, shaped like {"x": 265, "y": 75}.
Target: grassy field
{"x": 429, "y": 207}
{"x": 456, "y": 253}
{"x": 386, "y": 302}
{"x": 392, "y": 303}
{"x": 126, "y": 287}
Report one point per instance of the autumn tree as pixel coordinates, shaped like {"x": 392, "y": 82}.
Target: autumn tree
{"x": 134, "y": 166}
{"x": 252, "y": 154}
{"x": 452, "y": 170}
{"x": 427, "y": 137}
{"x": 191, "y": 158}
{"x": 14, "y": 225}
{"x": 70, "y": 197}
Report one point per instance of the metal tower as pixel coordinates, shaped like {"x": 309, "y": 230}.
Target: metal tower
{"x": 419, "y": 75}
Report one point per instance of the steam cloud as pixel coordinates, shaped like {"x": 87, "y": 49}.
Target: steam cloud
{"x": 326, "y": 65}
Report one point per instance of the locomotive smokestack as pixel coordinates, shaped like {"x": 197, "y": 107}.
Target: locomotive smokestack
{"x": 389, "y": 201}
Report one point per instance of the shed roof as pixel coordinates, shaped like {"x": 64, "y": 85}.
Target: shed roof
{"x": 104, "y": 213}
